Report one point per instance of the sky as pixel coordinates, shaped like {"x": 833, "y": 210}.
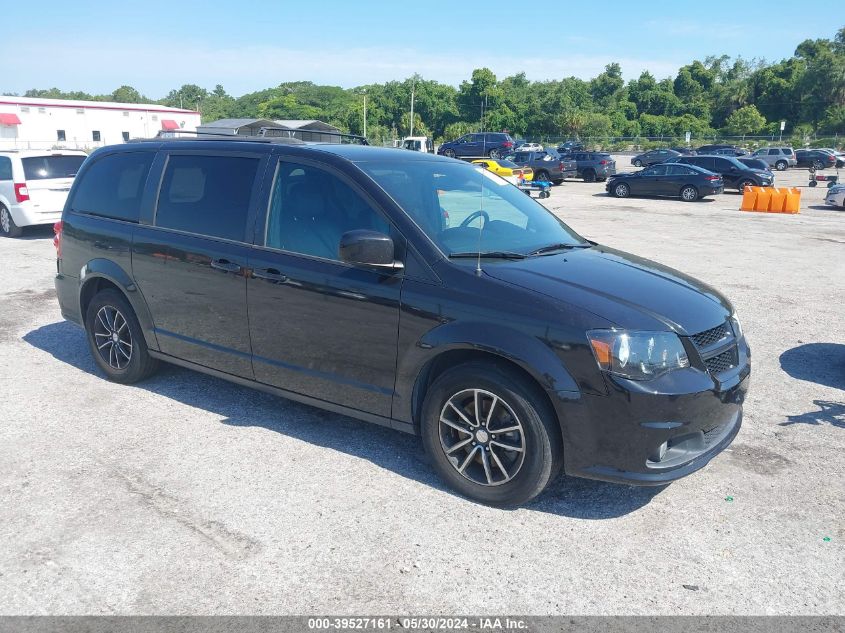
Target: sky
{"x": 158, "y": 45}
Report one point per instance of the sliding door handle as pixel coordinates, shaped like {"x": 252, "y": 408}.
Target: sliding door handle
{"x": 269, "y": 274}
{"x": 225, "y": 265}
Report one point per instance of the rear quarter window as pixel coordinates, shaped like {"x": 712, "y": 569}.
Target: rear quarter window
{"x": 207, "y": 195}
{"x": 5, "y": 168}
{"x": 112, "y": 186}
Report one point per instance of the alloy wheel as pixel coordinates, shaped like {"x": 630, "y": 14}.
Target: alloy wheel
{"x": 689, "y": 194}
{"x": 621, "y": 190}
{"x": 113, "y": 337}
{"x": 482, "y": 437}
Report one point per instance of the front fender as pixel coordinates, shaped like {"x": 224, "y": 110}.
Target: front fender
{"x": 528, "y": 352}
{"x": 110, "y": 271}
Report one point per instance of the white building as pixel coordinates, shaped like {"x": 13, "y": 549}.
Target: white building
{"x": 34, "y": 123}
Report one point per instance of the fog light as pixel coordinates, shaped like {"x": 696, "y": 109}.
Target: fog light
{"x": 660, "y": 453}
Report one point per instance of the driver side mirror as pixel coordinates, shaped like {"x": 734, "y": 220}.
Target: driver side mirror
{"x": 368, "y": 248}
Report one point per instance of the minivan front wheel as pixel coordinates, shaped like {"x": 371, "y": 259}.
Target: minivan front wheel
{"x": 8, "y": 228}
{"x": 115, "y": 339}
{"x": 488, "y": 435}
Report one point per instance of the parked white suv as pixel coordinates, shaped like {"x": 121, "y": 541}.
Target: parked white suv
{"x": 778, "y": 157}
{"x": 34, "y": 185}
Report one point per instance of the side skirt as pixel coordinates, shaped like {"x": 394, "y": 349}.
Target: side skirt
{"x": 290, "y": 395}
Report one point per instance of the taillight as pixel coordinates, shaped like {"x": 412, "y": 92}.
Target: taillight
{"x": 602, "y": 162}
{"x": 507, "y": 144}
{"x": 57, "y": 238}
{"x": 712, "y": 178}
{"x": 21, "y": 192}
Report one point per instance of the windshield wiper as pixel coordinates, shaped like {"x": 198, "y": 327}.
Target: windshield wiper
{"x": 489, "y": 254}
{"x": 556, "y": 247}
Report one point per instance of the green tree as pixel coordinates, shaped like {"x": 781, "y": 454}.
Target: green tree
{"x": 746, "y": 120}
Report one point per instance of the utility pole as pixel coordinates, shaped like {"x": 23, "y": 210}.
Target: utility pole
{"x": 413, "y": 88}
{"x": 365, "y": 114}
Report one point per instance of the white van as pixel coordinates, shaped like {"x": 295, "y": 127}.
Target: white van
{"x": 34, "y": 185}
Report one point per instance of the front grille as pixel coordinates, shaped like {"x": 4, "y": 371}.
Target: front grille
{"x": 722, "y": 362}
{"x": 711, "y": 336}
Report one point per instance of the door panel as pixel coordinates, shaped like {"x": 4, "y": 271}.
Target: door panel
{"x": 324, "y": 329}
{"x": 200, "y": 313}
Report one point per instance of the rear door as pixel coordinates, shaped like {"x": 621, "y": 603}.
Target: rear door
{"x": 48, "y": 179}
{"x": 191, "y": 264}
{"x": 321, "y": 327}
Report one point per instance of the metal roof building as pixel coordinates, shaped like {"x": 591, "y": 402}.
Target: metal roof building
{"x": 303, "y": 129}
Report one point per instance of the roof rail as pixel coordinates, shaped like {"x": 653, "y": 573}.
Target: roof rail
{"x": 196, "y": 135}
{"x": 285, "y": 132}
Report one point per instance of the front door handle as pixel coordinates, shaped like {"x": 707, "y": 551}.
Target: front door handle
{"x": 225, "y": 265}
{"x": 270, "y": 274}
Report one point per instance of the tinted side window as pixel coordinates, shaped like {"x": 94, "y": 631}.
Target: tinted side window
{"x": 681, "y": 170}
{"x": 208, "y": 195}
{"x": 112, "y": 186}
{"x": 310, "y": 209}
{"x": 5, "y": 168}
{"x": 774, "y": 152}
{"x": 723, "y": 164}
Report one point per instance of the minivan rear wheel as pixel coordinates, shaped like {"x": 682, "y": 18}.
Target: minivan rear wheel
{"x": 116, "y": 340}
{"x": 493, "y": 153}
{"x": 489, "y": 436}
{"x": 8, "y": 228}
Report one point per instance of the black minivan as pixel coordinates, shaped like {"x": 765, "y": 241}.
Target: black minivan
{"x": 418, "y": 292}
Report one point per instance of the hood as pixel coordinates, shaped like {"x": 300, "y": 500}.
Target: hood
{"x": 629, "y": 291}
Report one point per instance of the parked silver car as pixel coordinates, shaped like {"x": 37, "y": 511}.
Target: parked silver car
{"x": 778, "y": 157}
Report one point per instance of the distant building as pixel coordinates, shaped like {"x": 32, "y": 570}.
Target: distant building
{"x": 305, "y": 130}
{"x": 35, "y": 123}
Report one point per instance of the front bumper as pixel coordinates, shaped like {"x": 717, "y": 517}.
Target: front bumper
{"x": 617, "y": 437}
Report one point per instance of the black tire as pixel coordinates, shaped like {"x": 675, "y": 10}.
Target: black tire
{"x": 101, "y": 329}
{"x": 813, "y": 183}
{"x": 542, "y": 175}
{"x": 781, "y": 165}
{"x": 689, "y": 193}
{"x": 621, "y": 190}
{"x": 744, "y": 184}
{"x": 450, "y": 153}
{"x": 8, "y": 228}
{"x": 559, "y": 181}
{"x": 539, "y": 435}
{"x": 493, "y": 153}
{"x": 589, "y": 175}
{"x": 638, "y": 163}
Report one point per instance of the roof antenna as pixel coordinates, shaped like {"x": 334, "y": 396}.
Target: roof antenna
{"x": 482, "y": 221}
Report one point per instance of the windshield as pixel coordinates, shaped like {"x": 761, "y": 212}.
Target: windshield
{"x": 453, "y": 202}
{"x": 43, "y": 167}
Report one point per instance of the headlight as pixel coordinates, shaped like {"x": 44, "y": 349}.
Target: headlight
{"x": 637, "y": 355}
{"x": 736, "y": 326}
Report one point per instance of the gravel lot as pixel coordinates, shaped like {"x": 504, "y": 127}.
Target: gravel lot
{"x": 189, "y": 495}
